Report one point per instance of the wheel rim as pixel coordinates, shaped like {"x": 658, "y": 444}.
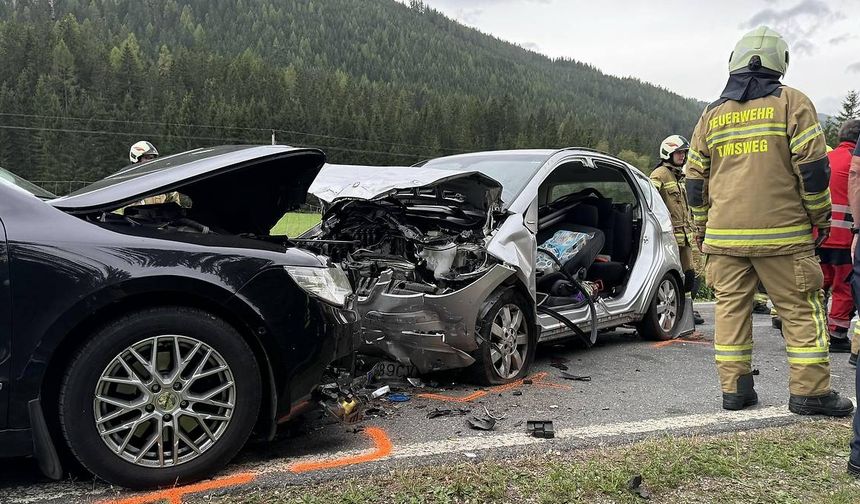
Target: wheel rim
{"x": 164, "y": 401}
{"x": 509, "y": 341}
{"x": 667, "y": 305}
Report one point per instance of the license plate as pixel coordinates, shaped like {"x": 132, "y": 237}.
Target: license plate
{"x": 397, "y": 370}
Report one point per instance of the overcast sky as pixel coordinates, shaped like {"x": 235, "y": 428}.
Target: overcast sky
{"x": 681, "y": 45}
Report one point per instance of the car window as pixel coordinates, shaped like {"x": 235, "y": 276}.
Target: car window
{"x": 646, "y": 186}
{"x": 12, "y": 180}
{"x": 575, "y": 176}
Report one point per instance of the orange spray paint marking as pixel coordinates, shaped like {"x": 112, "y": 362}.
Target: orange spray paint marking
{"x": 537, "y": 380}
{"x": 174, "y": 495}
{"x": 382, "y": 448}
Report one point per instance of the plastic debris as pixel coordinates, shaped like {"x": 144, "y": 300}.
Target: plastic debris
{"x": 447, "y": 412}
{"x": 540, "y": 428}
{"x": 380, "y": 392}
{"x": 399, "y": 397}
{"x": 568, "y": 376}
{"x": 471, "y": 455}
{"x": 518, "y": 392}
{"x": 482, "y": 423}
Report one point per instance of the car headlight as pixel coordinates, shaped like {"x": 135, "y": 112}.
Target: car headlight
{"x": 329, "y": 284}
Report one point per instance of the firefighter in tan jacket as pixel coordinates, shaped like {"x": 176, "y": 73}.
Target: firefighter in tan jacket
{"x": 757, "y": 183}
{"x": 668, "y": 179}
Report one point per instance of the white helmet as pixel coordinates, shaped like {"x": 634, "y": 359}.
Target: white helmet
{"x": 672, "y": 144}
{"x": 141, "y": 149}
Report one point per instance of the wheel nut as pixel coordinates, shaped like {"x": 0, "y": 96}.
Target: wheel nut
{"x": 177, "y": 386}
{"x": 183, "y": 404}
{"x": 168, "y": 418}
{"x": 156, "y": 388}
{"x": 149, "y": 408}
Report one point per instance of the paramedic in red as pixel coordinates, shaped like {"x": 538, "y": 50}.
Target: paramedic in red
{"x": 835, "y": 253}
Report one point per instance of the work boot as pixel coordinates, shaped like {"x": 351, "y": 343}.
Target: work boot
{"x": 828, "y": 404}
{"x": 761, "y": 308}
{"x": 697, "y": 318}
{"x": 852, "y": 359}
{"x": 853, "y": 469}
{"x": 839, "y": 345}
{"x": 776, "y": 322}
{"x": 745, "y": 396}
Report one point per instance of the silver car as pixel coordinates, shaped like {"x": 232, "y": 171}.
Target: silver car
{"x": 444, "y": 256}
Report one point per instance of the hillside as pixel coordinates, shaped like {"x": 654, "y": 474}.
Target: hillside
{"x": 369, "y": 81}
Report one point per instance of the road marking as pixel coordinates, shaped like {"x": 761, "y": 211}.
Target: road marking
{"x": 537, "y": 379}
{"x": 663, "y": 344}
{"x": 175, "y": 495}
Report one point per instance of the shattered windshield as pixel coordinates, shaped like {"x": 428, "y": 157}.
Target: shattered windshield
{"x": 513, "y": 171}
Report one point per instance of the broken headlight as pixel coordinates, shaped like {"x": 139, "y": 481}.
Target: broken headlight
{"x": 329, "y": 284}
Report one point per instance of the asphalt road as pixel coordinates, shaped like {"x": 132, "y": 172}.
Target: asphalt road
{"x": 636, "y": 389}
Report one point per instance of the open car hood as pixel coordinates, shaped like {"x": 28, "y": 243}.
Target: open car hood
{"x": 239, "y": 188}
{"x": 351, "y": 182}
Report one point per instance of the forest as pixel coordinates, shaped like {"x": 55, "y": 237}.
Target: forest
{"x": 371, "y": 81}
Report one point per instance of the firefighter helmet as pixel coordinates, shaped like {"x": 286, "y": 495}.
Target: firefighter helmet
{"x": 760, "y": 48}
{"x": 672, "y": 144}
{"x": 140, "y": 149}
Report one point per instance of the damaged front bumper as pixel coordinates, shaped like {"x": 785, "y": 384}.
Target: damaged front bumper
{"x": 430, "y": 332}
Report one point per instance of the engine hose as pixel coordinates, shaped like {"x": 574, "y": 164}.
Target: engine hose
{"x": 592, "y": 311}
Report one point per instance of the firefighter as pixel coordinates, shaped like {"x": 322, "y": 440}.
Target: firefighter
{"x": 835, "y": 252}
{"x": 144, "y": 152}
{"x": 668, "y": 178}
{"x": 757, "y": 184}
{"x": 854, "y": 203}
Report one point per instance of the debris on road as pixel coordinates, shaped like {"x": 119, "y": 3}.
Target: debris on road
{"x": 416, "y": 382}
{"x": 399, "y": 397}
{"x": 528, "y": 381}
{"x": 447, "y": 412}
{"x": 568, "y": 376}
{"x": 756, "y": 372}
{"x": 518, "y": 392}
{"x": 540, "y": 428}
{"x": 635, "y": 486}
{"x": 559, "y": 363}
{"x": 482, "y": 423}
{"x": 471, "y": 455}
{"x": 376, "y": 394}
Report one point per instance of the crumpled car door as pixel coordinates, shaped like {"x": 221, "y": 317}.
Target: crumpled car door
{"x": 5, "y": 325}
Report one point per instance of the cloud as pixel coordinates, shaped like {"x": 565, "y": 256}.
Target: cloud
{"x": 531, "y": 46}
{"x": 853, "y": 67}
{"x": 841, "y": 38}
{"x": 798, "y": 24}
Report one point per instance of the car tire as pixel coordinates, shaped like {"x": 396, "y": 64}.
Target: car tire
{"x": 109, "y": 374}
{"x": 664, "y": 312}
{"x": 502, "y": 348}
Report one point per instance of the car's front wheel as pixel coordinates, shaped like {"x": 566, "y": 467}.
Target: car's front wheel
{"x": 160, "y": 397}
{"x": 508, "y": 340}
{"x": 665, "y": 311}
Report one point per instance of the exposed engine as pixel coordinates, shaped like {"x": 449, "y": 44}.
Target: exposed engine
{"x": 431, "y": 249}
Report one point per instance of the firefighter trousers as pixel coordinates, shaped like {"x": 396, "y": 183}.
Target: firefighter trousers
{"x": 794, "y": 284}
{"x": 841, "y": 300}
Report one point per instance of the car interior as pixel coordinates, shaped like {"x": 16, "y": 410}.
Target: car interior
{"x": 601, "y": 203}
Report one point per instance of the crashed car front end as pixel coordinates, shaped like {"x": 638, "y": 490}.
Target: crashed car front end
{"x": 415, "y": 246}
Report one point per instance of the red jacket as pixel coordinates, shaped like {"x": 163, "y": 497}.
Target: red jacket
{"x": 840, "y": 230}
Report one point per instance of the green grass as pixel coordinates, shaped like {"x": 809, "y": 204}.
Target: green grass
{"x": 803, "y": 463}
{"x": 295, "y": 223}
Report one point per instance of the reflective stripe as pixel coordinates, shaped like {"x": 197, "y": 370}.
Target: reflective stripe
{"x": 670, "y": 185}
{"x": 817, "y": 201}
{"x": 733, "y": 353}
{"x": 808, "y": 355}
{"x": 698, "y": 160}
{"x": 751, "y": 237}
{"x": 805, "y": 137}
{"x": 818, "y": 316}
{"x": 700, "y": 214}
{"x": 769, "y": 129}
{"x": 842, "y": 208}
{"x": 657, "y": 184}
{"x": 841, "y": 224}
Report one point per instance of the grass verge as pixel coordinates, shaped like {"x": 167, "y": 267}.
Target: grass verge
{"x": 796, "y": 464}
